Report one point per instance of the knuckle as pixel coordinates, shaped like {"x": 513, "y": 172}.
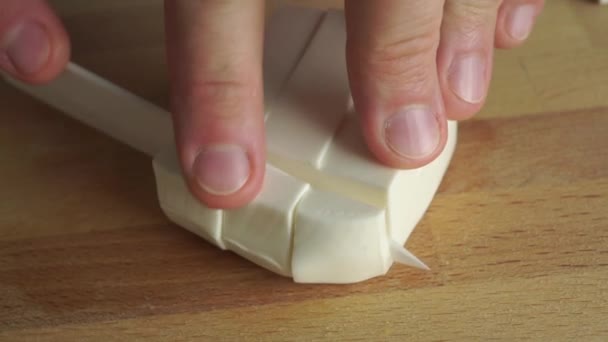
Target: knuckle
{"x": 10, "y": 13}
{"x": 474, "y": 13}
{"x": 471, "y": 19}
{"x": 476, "y": 8}
{"x": 471, "y": 30}
{"x": 218, "y": 97}
{"x": 407, "y": 61}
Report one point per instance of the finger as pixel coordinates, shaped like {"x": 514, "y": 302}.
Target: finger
{"x": 34, "y": 46}
{"x": 214, "y": 49}
{"x": 516, "y": 20}
{"x": 391, "y": 52}
{"x": 464, "y": 59}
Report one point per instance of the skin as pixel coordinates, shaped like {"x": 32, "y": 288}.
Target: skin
{"x": 413, "y": 64}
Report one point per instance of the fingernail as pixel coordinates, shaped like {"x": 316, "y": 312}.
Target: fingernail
{"x": 413, "y": 132}
{"x": 27, "y": 47}
{"x": 221, "y": 169}
{"x": 520, "y": 21}
{"x": 466, "y": 77}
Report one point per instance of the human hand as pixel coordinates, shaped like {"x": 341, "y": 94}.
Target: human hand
{"x": 412, "y": 65}
{"x": 34, "y": 46}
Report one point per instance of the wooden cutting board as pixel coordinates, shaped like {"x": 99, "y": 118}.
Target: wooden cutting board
{"x": 517, "y": 237}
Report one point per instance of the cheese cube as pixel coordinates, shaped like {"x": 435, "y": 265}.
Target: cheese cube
{"x": 338, "y": 240}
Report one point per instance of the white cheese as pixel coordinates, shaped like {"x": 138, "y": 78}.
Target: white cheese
{"x": 263, "y": 230}
{"x": 328, "y": 212}
{"x": 178, "y": 203}
{"x": 338, "y": 240}
{"x": 301, "y": 124}
{"x": 332, "y": 214}
{"x": 287, "y": 34}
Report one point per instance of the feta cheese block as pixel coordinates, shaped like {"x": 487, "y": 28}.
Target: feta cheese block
{"x": 338, "y": 240}
{"x": 328, "y": 212}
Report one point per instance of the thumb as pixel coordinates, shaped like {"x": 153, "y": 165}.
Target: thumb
{"x": 34, "y": 46}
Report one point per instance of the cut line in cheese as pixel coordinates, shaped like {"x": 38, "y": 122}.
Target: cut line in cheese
{"x": 287, "y": 35}
{"x": 328, "y": 212}
{"x": 329, "y": 248}
{"x": 180, "y": 205}
{"x": 301, "y": 124}
{"x": 263, "y": 230}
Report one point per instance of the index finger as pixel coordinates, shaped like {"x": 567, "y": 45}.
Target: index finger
{"x": 214, "y": 50}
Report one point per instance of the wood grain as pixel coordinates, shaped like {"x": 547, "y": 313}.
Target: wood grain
{"x": 517, "y": 237}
